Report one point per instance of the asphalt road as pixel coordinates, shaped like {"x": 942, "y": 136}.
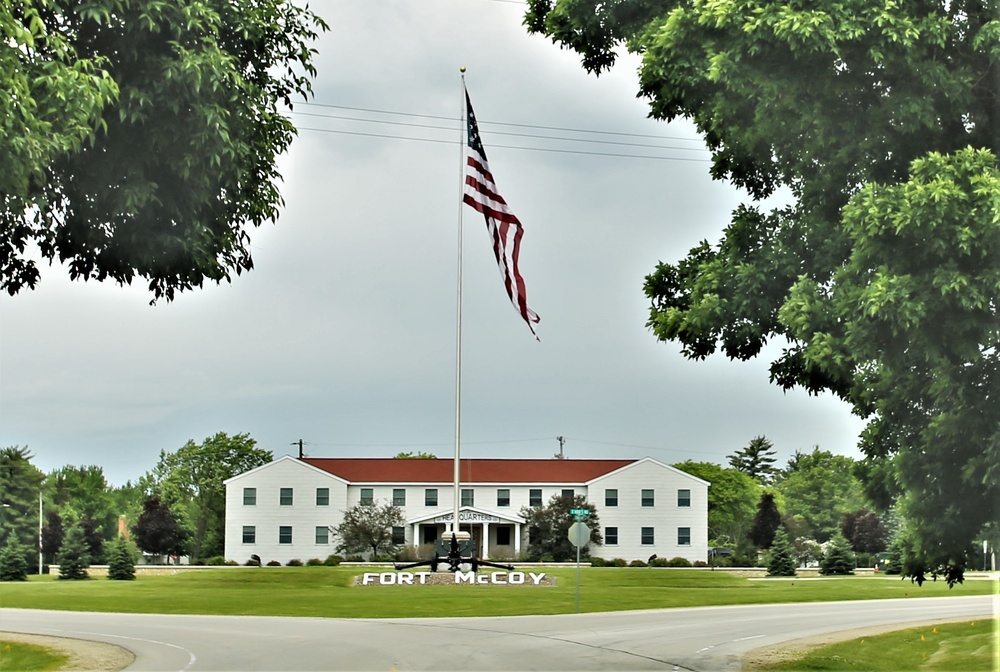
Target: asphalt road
{"x": 706, "y": 638}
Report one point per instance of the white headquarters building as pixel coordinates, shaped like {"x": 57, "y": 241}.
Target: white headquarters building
{"x": 285, "y": 509}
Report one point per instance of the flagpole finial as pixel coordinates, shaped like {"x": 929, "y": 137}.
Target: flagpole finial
{"x": 462, "y": 69}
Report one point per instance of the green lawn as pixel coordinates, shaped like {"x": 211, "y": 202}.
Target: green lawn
{"x": 329, "y": 592}
{"x": 28, "y": 657}
{"x": 967, "y": 646}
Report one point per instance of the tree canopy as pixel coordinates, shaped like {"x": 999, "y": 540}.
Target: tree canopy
{"x": 756, "y": 459}
{"x": 882, "y": 275}
{"x": 732, "y": 503}
{"x": 140, "y": 136}
{"x": 818, "y": 489}
{"x": 367, "y": 528}
{"x": 192, "y": 479}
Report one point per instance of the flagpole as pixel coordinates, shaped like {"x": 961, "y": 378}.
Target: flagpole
{"x": 455, "y": 527}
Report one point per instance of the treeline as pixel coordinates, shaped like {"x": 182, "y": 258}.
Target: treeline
{"x": 177, "y": 508}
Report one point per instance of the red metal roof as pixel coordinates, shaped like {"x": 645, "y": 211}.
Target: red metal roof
{"x": 392, "y": 470}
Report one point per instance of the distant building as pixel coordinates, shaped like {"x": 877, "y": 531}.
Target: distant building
{"x": 285, "y": 509}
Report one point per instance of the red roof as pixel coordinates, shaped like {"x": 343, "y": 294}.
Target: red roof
{"x": 392, "y": 470}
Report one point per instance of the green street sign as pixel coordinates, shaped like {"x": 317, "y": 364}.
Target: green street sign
{"x": 579, "y": 513}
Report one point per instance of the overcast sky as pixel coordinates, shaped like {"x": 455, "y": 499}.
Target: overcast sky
{"x": 344, "y": 334}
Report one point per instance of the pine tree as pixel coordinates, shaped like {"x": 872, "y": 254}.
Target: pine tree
{"x": 781, "y": 562}
{"x": 121, "y": 562}
{"x": 13, "y": 565}
{"x": 838, "y": 559}
{"x": 72, "y": 558}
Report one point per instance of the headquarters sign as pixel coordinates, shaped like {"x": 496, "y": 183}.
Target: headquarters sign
{"x": 456, "y": 578}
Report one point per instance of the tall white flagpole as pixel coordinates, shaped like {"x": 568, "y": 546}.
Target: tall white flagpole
{"x": 455, "y": 527}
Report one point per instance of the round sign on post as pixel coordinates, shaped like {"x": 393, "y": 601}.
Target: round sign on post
{"x": 579, "y": 534}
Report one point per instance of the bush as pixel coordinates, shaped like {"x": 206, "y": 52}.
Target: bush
{"x": 659, "y": 562}
{"x": 598, "y": 562}
{"x": 294, "y": 562}
{"x": 619, "y": 562}
{"x": 314, "y": 562}
{"x": 13, "y": 565}
{"x": 637, "y": 563}
{"x": 273, "y": 563}
{"x": 214, "y": 561}
{"x": 333, "y": 560}
{"x": 699, "y": 563}
{"x": 678, "y": 562}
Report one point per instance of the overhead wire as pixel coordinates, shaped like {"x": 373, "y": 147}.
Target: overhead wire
{"x": 531, "y": 136}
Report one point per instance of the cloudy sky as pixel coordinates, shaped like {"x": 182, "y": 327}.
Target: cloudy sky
{"x": 344, "y": 334}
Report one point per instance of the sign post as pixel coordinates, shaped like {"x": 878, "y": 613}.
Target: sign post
{"x": 579, "y": 535}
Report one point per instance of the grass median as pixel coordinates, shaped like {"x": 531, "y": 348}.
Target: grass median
{"x": 331, "y": 592}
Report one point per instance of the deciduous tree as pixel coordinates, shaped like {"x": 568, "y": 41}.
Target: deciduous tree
{"x": 548, "y": 527}
{"x": 367, "y": 528}
{"x": 819, "y": 488}
{"x": 193, "y": 478}
{"x": 141, "y": 136}
{"x": 157, "y": 530}
{"x": 880, "y": 121}
{"x": 732, "y": 501}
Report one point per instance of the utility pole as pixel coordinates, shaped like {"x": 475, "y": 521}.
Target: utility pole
{"x": 561, "y": 441}
{"x": 299, "y": 444}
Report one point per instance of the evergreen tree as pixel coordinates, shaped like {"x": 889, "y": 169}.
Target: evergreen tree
{"x": 72, "y": 557}
{"x": 52, "y": 534}
{"x": 13, "y": 566}
{"x": 894, "y": 565}
{"x": 766, "y": 522}
{"x": 756, "y": 460}
{"x": 838, "y": 559}
{"x": 781, "y": 562}
{"x": 121, "y": 561}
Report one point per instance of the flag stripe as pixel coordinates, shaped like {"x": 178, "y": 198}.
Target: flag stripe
{"x": 504, "y": 228}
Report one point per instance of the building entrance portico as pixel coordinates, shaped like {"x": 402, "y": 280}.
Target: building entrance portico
{"x": 493, "y": 533}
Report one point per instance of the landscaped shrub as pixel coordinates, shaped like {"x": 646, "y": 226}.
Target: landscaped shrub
{"x": 619, "y": 562}
{"x": 314, "y": 562}
{"x": 598, "y": 562}
{"x": 294, "y": 562}
{"x": 659, "y": 562}
{"x": 273, "y": 563}
{"x": 637, "y": 563}
{"x": 678, "y": 562}
{"x": 333, "y": 560}
{"x": 354, "y": 558}
{"x": 699, "y": 563}
{"x": 214, "y": 561}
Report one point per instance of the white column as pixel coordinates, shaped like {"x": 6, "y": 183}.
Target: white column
{"x": 517, "y": 539}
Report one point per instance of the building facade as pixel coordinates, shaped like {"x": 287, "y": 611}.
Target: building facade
{"x": 286, "y": 509}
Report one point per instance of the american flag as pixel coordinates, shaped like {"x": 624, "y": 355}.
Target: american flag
{"x": 504, "y": 228}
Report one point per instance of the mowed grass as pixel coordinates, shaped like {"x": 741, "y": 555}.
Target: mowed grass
{"x": 330, "y": 592}
{"x": 966, "y": 646}
{"x": 28, "y": 657}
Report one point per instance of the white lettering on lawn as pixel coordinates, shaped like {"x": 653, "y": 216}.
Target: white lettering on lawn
{"x": 493, "y": 578}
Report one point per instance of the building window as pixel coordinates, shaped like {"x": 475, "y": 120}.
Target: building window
{"x": 683, "y": 536}
{"x": 503, "y": 536}
{"x": 684, "y": 498}
{"x": 503, "y": 497}
{"x": 611, "y": 497}
{"x": 535, "y": 497}
{"x": 285, "y": 497}
{"x": 647, "y": 498}
{"x": 647, "y": 536}
{"x": 431, "y": 497}
{"x": 399, "y": 496}
{"x": 399, "y": 535}
{"x": 322, "y": 535}
{"x": 322, "y": 496}
{"x": 249, "y": 496}
{"x": 610, "y": 536}
{"x": 285, "y": 534}
{"x": 367, "y": 496}
{"x": 468, "y": 497}
{"x": 568, "y": 492}
{"x": 249, "y": 534}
